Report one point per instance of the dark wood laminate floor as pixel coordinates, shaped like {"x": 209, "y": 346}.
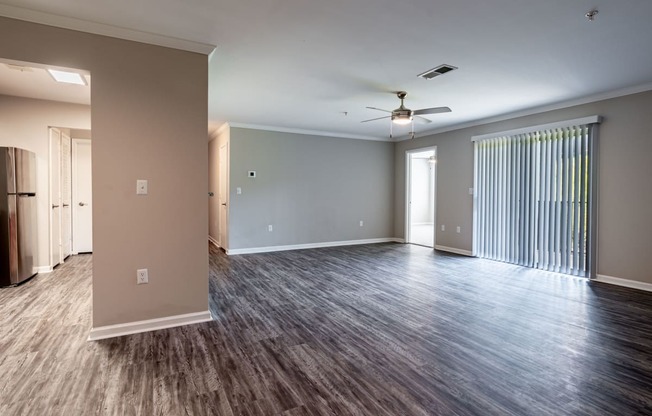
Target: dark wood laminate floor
{"x": 383, "y": 329}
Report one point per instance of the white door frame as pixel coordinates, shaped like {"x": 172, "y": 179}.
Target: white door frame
{"x": 408, "y": 188}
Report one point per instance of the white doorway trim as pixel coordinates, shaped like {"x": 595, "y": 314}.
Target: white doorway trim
{"x": 408, "y": 192}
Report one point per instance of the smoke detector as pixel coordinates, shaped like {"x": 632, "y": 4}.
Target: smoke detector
{"x": 437, "y": 71}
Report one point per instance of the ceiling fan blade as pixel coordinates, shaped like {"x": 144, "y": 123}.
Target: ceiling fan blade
{"x": 434, "y": 110}
{"x": 379, "y": 109}
{"x": 422, "y": 120}
{"x": 374, "y": 119}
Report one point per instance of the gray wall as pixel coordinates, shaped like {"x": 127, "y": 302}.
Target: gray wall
{"x": 311, "y": 189}
{"x": 625, "y": 173}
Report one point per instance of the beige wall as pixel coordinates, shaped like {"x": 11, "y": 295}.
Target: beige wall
{"x": 149, "y": 121}
{"x": 24, "y": 123}
{"x": 625, "y": 189}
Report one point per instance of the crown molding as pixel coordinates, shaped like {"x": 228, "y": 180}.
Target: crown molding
{"x": 65, "y": 22}
{"x": 536, "y": 110}
{"x": 306, "y": 132}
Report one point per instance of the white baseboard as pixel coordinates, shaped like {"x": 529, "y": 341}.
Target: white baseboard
{"x": 454, "y": 250}
{"x": 111, "y": 331}
{"x": 634, "y": 284}
{"x": 270, "y": 249}
{"x": 44, "y": 269}
{"x": 213, "y": 241}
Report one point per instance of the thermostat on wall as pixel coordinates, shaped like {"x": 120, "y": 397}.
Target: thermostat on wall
{"x": 251, "y": 174}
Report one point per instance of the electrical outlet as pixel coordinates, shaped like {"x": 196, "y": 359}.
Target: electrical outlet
{"x": 141, "y": 276}
{"x": 238, "y": 190}
{"x": 361, "y": 223}
{"x": 270, "y": 228}
{"x": 459, "y": 229}
{"x": 443, "y": 227}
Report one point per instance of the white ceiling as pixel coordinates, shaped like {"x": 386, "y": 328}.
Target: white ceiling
{"x": 297, "y": 64}
{"x": 33, "y": 81}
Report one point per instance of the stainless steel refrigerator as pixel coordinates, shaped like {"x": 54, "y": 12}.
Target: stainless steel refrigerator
{"x": 17, "y": 215}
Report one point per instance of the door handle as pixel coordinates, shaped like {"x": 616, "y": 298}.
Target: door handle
{"x": 66, "y": 205}
{"x": 81, "y": 204}
{"x": 211, "y": 194}
{"x": 224, "y": 203}
{"x": 55, "y": 206}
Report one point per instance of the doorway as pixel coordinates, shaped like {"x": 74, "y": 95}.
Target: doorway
{"x": 421, "y": 196}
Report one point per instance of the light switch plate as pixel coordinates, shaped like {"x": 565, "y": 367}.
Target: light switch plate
{"x": 238, "y": 190}
{"x": 141, "y": 187}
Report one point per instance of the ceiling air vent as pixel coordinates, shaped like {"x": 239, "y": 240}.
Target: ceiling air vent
{"x": 434, "y": 72}
{"x": 19, "y": 68}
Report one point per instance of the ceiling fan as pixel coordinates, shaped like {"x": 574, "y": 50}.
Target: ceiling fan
{"x": 404, "y": 116}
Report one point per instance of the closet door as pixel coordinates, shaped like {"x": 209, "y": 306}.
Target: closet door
{"x": 66, "y": 197}
{"x": 55, "y": 197}
{"x": 82, "y": 196}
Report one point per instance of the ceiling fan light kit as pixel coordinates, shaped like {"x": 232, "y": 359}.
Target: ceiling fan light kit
{"x": 403, "y": 116}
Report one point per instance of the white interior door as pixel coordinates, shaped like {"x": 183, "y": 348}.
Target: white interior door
{"x": 223, "y": 161}
{"x": 55, "y": 197}
{"x": 82, "y": 195}
{"x": 66, "y": 197}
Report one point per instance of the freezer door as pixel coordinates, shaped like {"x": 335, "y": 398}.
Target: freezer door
{"x": 25, "y": 237}
{"x": 25, "y": 171}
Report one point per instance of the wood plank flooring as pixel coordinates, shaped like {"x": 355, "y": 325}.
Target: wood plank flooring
{"x": 385, "y": 329}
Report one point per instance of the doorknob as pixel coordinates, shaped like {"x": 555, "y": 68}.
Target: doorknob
{"x": 81, "y": 204}
{"x": 211, "y": 194}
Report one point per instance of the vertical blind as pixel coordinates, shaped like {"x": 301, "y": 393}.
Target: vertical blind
{"x": 535, "y": 197}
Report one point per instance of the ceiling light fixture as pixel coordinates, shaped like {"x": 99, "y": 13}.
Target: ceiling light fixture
{"x": 402, "y": 119}
{"x": 67, "y": 77}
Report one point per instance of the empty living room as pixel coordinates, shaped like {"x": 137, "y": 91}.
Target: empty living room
{"x": 325, "y": 208}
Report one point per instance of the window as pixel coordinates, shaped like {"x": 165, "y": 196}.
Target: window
{"x": 534, "y": 199}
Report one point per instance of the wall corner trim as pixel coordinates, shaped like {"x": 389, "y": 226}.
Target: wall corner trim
{"x": 112, "y": 331}
{"x": 634, "y": 284}
{"x": 454, "y": 250}
{"x": 270, "y": 249}
{"x": 213, "y": 241}
{"x": 44, "y": 269}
